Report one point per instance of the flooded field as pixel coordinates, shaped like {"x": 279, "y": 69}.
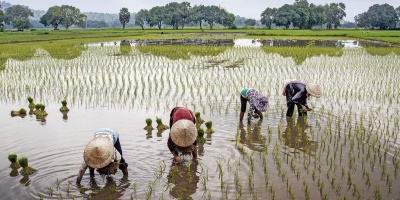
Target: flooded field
{"x": 347, "y": 147}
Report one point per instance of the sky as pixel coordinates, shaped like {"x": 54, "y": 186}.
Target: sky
{"x": 244, "y": 8}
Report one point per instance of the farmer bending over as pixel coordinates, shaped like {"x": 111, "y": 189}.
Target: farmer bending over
{"x": 257, "y": 103}
{"x": 183, "y": 133}
{"x": 103, "y": 153}
{"x": 297, "y": 94}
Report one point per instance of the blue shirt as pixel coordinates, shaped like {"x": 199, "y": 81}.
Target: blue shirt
{"x": 111, "y": 132}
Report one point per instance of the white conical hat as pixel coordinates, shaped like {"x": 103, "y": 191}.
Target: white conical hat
{"x": 183, "y": 133}
{"x": 314, "y": 90}
{"x": 98, "y": 152}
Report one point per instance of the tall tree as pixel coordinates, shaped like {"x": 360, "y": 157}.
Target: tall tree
{"x": 250, "y": 22}
{"x": 124, "y": 17}
{"x": 141, "y": 18}
{"x": 212, "y": 14}
{"x": 185, "y": 12}
{"x": 173, "y": 14}
{"x": 156, "y": 16}
{"x": 284, "y": 16}
{"x": 382, "y": 16}
{"x": 362, "y": 20}
{"x": 53, "y": 17}
{"x": 335, "y": 13}
{"x": 267, "y": 17}
{"x": 71, "y": 16}
{"x": 227, "y": 19}
{"x": 301, "y": 14}
{"x": 197, "y": 14}
{"x": 18, "y": 15}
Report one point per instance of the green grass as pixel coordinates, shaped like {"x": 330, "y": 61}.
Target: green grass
{"x": 8, "y": 37}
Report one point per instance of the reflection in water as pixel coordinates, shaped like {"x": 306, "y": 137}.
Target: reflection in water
{"x": 65, "y": 115}
{"x": 295, "y": 136}
{"x": 253, "y": 139}
{"x": 14, "y": 173}
{"x": 110, "y": 191}
{"x": 181, "y": 52}
{"x": 184, "y": 178}
{"x": 149, "y": 134}
{"x": 300, "y": 54}
{"x": 25, "y": 180}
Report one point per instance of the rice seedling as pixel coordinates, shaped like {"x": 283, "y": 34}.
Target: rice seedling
{"x": 26, "y": 170}
{"x": 200, "y": 136}
{"x": 148, "y": 126}
{"x": 160, "y": 125}
{"x": 64, "y": 107}
{"x": 14, "y": 161}
{"x": 209, "y": 127}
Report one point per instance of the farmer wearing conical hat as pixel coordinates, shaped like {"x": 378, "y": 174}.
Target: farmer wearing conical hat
{"x": 183, "y": 133}
{"x": 297, "y": 93}
{"x": 258, "y": 103}
{"x": 103, "y": 153}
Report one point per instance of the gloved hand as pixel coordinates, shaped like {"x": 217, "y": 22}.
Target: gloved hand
{"x": 123, "y": 166}
{"x": 248, "y": 121}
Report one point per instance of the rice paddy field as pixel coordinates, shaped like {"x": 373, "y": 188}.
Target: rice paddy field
{"x": 347, "y": 147}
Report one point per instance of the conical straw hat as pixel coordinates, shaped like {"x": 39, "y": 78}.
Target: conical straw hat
{"x": 98, "y": 152}
{"x": 183, "y": 133}
{"x": 314, "y": 90}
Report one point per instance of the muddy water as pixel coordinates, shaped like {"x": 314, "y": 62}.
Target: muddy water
{"x": 347, "y": 147}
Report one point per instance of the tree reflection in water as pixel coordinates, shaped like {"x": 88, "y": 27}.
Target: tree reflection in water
{"x": 295, "y": 136}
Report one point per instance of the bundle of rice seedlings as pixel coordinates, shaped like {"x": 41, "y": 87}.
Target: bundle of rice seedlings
{"x": 185, "y": 150}
{"x": 14, "y": 162}
{"x": 149, "y": 126}
{"x": 64, "y": 107}
{"x": 160, "y": 125}
{"x": 199, "y": 120}
{"x": 20, "y": 112}
{"x": 111, "y": 168}
{"x": 31, "y": 104}
{"x": 26, "y": 170}
{"x": 200, "y": 136}
{"x": 209, "y": 127}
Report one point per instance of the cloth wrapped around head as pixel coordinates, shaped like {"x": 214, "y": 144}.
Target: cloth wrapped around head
{"x": 183, "y": 133}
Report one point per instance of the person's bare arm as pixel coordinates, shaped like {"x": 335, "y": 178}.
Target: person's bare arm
{"x": 82, "y": 172}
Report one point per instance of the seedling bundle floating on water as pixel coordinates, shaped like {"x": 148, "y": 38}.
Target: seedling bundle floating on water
{"x": 64, "y": 107}
{"x": 14, "y": 162}
{"x": 26, "y": 170}
{"x": 20, "y": 112}
{"x": 160, "y": 125}
{"x": 209, "y": 127}
{"x": 149, "y": 127}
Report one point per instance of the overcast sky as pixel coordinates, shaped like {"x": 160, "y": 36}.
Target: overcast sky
{"x": 243, "y": 8}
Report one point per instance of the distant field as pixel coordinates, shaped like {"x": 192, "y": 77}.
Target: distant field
{"x": 391, "y": 36}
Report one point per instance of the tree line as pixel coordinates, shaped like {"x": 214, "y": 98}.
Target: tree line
{"x": 299, "y": 15}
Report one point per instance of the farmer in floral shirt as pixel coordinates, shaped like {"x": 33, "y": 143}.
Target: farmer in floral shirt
{"x": 257, "y": 103}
